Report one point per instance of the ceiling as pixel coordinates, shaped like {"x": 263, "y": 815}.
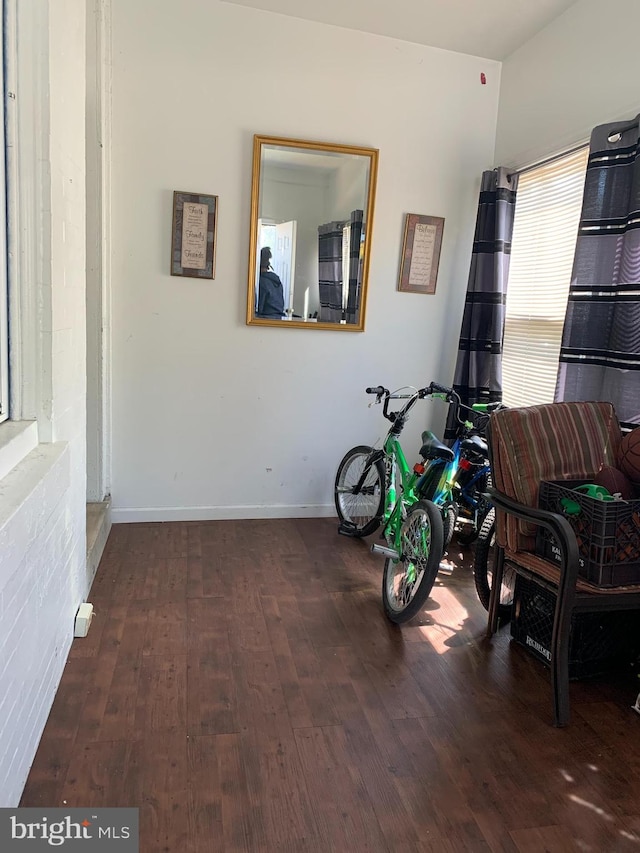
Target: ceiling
{"x": 488, "y": 28}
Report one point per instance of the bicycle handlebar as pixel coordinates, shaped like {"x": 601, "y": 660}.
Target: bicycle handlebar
{"x": 398, "y": 417}
{"x": 435, "y": 388}
{"x": 486, "y": 408}
{"x": 432, "y": 388}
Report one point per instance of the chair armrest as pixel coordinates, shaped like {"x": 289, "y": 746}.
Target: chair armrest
{"x": 555, "y": 523}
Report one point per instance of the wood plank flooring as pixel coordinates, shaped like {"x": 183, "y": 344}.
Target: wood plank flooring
{"x": 242, "y": 687}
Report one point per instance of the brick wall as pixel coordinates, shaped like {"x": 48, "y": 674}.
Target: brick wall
{"x": 42, "y": 500}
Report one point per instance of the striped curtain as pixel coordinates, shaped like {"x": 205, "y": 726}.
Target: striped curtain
{"x": 600, "y": 353}
{"x": 478, "y": 373}
{"x": 352, "y": 313}
{"x": 330, "y": 271}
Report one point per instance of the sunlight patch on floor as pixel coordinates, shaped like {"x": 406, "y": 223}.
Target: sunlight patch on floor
{"x": 446, "y": 621}
{"x": 591, "y": 806}
{"x": 630, "y": 836}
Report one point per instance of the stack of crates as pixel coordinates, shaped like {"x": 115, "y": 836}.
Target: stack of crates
{"x": 608, "y": 537}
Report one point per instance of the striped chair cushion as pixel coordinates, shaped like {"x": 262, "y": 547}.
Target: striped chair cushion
{"x": 556, "y": 441}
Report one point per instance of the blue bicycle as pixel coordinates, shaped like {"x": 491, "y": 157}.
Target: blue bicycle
{"x": 467, "y": 510}
{"x": 457, "y": 481}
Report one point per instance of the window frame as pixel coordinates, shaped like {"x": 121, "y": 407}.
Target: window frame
{"x": 5, "y": 404}
{"x": 28, "y": 231}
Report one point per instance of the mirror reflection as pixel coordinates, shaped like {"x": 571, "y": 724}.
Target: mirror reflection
{"x": 311, "y": 220}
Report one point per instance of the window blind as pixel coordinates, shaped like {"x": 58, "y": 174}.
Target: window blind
{"x": 548, "y": 205}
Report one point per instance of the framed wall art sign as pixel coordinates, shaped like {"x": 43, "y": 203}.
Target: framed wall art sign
{"x": 193, "y": 236}
{"x": 420, "y": 253}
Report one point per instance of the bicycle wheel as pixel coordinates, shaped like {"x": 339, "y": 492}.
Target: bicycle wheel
{"x": 469, "y": 533}
{"x": 407, "y": 582}
{"x": 483, "y": 568}
{"x": 362, "y": 511}
{"x": 449, "y": 521}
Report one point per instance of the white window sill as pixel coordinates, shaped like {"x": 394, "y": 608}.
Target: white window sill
{"x": 17, "y": 440}
{"x": 27, "y": 496}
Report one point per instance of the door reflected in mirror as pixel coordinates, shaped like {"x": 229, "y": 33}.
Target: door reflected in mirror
{"x": 311, "y": 222}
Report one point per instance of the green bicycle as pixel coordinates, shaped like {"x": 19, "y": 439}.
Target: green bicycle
{"x": 375, "y": 487}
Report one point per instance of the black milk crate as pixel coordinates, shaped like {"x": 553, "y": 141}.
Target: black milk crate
{"x": 598, "y": 641}
{"x": 607, "y": 532}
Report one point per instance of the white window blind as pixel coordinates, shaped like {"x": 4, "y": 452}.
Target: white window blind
{"x": 548, "y": 204}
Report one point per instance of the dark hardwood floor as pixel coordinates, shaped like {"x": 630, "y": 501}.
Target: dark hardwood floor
{"x": 242, "y": 687}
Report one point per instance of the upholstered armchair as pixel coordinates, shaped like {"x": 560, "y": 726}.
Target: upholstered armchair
{"x": 557, "y": 441}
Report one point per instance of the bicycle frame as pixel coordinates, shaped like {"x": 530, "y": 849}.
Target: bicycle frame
{"x": 396, "y": 503}
{"x": 440, "y": 493}
{"x": 469, "y": 492}
{"x": 440, "y": 482}
{"x": 400, "y": 479}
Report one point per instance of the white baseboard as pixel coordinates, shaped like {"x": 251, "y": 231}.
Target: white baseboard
{"x": 124, "y": 515}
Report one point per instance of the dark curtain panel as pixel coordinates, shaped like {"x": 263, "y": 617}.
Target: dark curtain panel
{"x": 355, "y": 267}
{"x": 600, "y": 354}
{"x": 330, "y": 271}
{"x": 478, "y": 373}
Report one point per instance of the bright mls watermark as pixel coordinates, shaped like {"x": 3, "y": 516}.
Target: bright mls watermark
{"x": 80, "y": 830}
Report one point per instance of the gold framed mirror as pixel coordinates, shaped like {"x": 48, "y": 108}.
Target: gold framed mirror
{"x": 312, "y": 207}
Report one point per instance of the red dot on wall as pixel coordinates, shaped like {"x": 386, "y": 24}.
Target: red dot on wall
{"x": 483, "y": 77}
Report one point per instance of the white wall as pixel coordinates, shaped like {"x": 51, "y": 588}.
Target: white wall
{"x": 578, "y": 72}
{"x": 349, "y": 187}
{"x": 212, "y": 418}
{"x": 42, "y": 500}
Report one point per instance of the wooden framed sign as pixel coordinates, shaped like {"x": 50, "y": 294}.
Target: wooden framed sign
{"x": 420, "y": 253}
{"x": 193, "y": 236}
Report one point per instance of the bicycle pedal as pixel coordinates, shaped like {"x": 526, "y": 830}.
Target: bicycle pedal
{"x": 385, "y": 552}
{"x": 347, "y": 528}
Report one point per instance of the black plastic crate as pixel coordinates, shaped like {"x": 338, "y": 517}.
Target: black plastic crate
{"x": 598, "y": 642}
{"x": 607, "y": 532}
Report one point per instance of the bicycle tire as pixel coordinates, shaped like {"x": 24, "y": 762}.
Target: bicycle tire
{"x": 468, "y": 537}
{"x": 424, "y": 517}
{"x": 365, "y": 516}
{"x": 483, "y": 560}
{"x": 449, "y": 520}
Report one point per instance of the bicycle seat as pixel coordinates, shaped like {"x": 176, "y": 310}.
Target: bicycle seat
{"x": 475, "y": 445}
{"x": 433, "y": 448}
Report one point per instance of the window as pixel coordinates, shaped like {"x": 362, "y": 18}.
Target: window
{"x": 4, "y": 293}
{"x": 548, "y": 204}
